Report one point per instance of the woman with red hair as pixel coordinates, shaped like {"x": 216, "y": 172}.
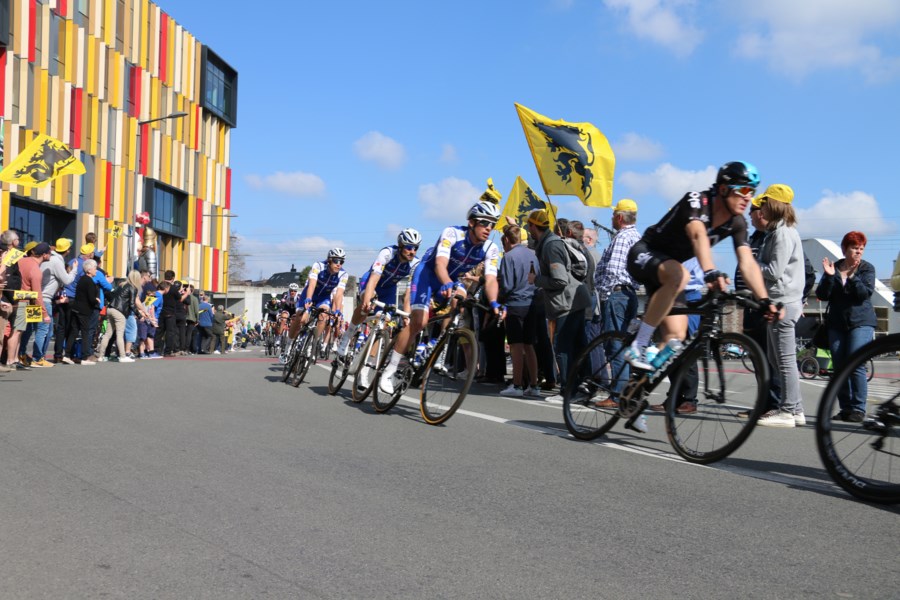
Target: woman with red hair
{"x": 848, "y": 285}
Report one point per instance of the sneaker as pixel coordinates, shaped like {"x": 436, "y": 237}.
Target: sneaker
{"x": 130, "y": 355}
{"x": 21, "y": 367}
{"x": 635, "y": 357}
{"x": 6, "y": 369}
{"x": 548, "y": 386}
{"x": 799, "y": 419}
{"x": 554, "y": 399}
{"x": 68, "y": 360}
{"x": 532, "y": 391}
{"x": 104, "y": 359}
{"x": 217, "y": 352}
{"x": 25, "y": 360}
{"x": 125, "y": 359}
{"x": 386, "y": 384}
{"x": 776, "y": 418}
{"x": 87, "y": 361}
{"x": 41, "y": 363}
{"x": 686, "y": 408}
{"x": 363, "y": 381}
{"x": 513, "y": 392}
{"x": 154, "y": 355}
{"x": 856, "y": 416}
{"x": 640, "y": 425}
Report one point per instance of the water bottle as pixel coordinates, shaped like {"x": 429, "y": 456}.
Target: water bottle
{"x": 672, "y": 348}
{"x": 650, "y": 353}
{"x": 421, "y": 352}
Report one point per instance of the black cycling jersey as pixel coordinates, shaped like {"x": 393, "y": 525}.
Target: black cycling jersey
{"x": 669, "y": 236}
{"x": 272, "y": 309}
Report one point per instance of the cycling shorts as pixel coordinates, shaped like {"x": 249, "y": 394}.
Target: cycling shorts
{"x": 272, "y": 318}
{"x": 643, "y": 265}
{"x": 423, "y": 287}
{"x": 387, "y": 294}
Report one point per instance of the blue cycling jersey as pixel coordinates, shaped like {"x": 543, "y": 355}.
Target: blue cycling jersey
{"x": 326, "y": 282}
{"x": 391, "y": 268}
{"x": 462, "y": 255}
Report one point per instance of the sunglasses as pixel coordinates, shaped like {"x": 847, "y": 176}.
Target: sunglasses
{"x": 337, "y": 261}
{"x": 483, "y": 223}
{"x": 410, "y": 247}
{"x": 743, "y": 190}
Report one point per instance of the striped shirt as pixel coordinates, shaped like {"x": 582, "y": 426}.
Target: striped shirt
{"x": 612, "y": 270}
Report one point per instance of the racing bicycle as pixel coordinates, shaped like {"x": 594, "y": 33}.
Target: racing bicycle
{"x": 375, "y": 351}
{"x": 302, "y": 352}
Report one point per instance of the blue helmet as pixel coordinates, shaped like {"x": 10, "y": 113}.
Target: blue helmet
{"x": 738, "y": 173}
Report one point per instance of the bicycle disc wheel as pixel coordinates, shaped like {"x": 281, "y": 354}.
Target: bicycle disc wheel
{"x": 704, "y": 402}
{"x": 864, "y": 458}
{"x": 584, "y": 418}
{"x": 365, "y": 369}
{"x": 448, "y": 376}
{"x": 291, "y": 361}
{"x": 809, "y": 368}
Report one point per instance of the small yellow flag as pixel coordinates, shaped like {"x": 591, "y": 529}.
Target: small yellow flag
{"x": 42, "y": 161}
{"x": 520, "y": 202}
{"x": 116, "y": 231}
{"x": 573, "y": 159}
{"x": 12, "y": 257}
{"x": 24, "y": 295}
{"x": 34, "y": 314}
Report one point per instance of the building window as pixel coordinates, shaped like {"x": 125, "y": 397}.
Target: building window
{"x": 219, "y": 83}
{"x": 39, "y": 222}
{"x": 4, "y": 23}
{"x": 167, "y": 207}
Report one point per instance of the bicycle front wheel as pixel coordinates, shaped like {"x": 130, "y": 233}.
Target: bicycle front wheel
{"x": 862, "y": 457}
{"x": 340, "y": 368}
{"x": 384, "y": 402}
{"x": 448, "y": 376}
{"x": 364, "y": 374}
{"x": 290, "y": 362}
{"x": 590, "y": 405}
{"x": 306, "y": 357}
{"x": 713, "y": 406}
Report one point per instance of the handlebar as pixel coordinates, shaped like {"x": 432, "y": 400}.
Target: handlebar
{"x": 388, "y": 308}
{"x": 715, "y": 298}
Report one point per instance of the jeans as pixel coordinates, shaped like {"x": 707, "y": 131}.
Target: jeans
{"x": 842, "y": 342}
{"x": 130, "y": 329}
{"x": 42, "y": 337}
{"x": 758, "y": 329}
{"x": 64, "y": 325}
{"x": 115, "y": 324}
{"x": 569, "y": 342}
{"x": 617, "y": 312}
{"x": 782, "y": 353}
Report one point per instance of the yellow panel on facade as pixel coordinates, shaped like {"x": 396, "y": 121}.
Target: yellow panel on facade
{"x": 166, "y": 166}
{"x": 95, "y": 126}
{"x": 100, "y": 188}
{"x": 4, "y": 210}
{"x": 90, "y": 66}
{"x": 153, "y": 41}
{"x": 145, "y": 33}
{"x": 114, "y": 96}
{"x": 109, "y": 33}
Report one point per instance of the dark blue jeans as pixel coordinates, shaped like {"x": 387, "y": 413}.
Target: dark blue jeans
{"x": 843, "y": 343}
{"x": 618, "y": 311}
{"x": 569, "y": 342}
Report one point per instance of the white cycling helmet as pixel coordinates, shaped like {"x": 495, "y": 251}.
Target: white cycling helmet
{"x": 337, "y": 253}
{"x": 294, "y": 287}
{"x": 409, "y": 237}
{"x": 484, "y": 210}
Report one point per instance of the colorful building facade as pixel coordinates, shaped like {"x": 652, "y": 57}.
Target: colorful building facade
{"x": 91, "y": 73}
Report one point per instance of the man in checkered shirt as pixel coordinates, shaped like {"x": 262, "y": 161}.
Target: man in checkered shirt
{"x": 617, "y": 290}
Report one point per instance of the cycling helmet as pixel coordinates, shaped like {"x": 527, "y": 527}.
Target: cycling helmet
{"x": 337, "y": 253}
{"x": 738, "y": 173}
{"x": 484, "y": 210}
{"x": 409, "y": 237}
{"x": 294, "y": 287}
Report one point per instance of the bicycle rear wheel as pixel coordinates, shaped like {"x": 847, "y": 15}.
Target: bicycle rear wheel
{"x": 401, "y": 380}
{"x": 365, "y": 370}
{"x": 306, "y": 357}
{"x": 448, "y": 376}
{"x": 864, "y": 458}
{"x": 342, "y": 365}
{"x": 584, "y": 418}
{"x": 809, "y": 367}
{"x": 702, "y": 410}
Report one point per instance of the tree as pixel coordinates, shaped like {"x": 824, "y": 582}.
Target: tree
{"x": 304, "y": 275}
{"x": 236, "y": 261}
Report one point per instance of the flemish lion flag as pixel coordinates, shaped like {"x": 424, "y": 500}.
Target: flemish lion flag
{"x": 573, "y": 159}
{"x": 521, "y": 201}
{"x": 42, "y": 161}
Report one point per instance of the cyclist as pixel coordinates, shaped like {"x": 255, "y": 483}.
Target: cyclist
{"x": 457, "y": 251}
{"x": 325, "y": 277}
{"x": 696, "y": 223}
{"x": 271, "y": 311}
{"x": 393, "y": 264}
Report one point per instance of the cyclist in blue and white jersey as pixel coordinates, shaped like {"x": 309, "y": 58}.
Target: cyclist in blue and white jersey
{"x": 326, "y": 277}
{"x": 392, "y": 265}
{"x": 457, "y": 251}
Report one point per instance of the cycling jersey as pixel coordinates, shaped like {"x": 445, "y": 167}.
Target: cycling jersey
{"x": 669, "y": 236}
{"x": 392, "y": 270}
{"x": 287, "y": 303}
{"x": 326, "y": 283}
{"x": 273, "y": 307}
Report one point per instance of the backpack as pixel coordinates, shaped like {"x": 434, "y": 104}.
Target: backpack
{"x": 577, "y": 259}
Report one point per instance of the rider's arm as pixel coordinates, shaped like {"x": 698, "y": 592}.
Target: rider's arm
{"x": 440, "y": 269}
{"x": 696, "y": 232}
{"x": 338, "y": 303}
{"x": 374, "y": 278}
{"x": 311, "y": 280}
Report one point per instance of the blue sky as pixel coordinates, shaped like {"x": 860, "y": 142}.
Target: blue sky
{"x": 356, "y": 119}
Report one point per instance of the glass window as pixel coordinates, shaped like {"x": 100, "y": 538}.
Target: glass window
{"x": 167, "y": 208}
{"x": 37, "y": 222}
{"x": 219, "y": 87}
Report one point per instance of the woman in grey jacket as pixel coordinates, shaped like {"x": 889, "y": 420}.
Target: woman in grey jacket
{"x": 781, "y": 261}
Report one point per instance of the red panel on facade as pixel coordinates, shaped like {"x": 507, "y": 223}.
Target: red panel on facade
{"x": 163, "y": 44}
{"x": 198, "y": 228}
{"x": 32, "y": 31}
{"x": 109, "y": 192}
{"x": 145, "y": 148}
{"x": 2, "y": 80}
{"x": 62, "y": 8}
{"x": 135, "y": 91}
{"x": 215, "y": 269}
{"x": 228, "y": 188}
{"x": 75, "y": 118}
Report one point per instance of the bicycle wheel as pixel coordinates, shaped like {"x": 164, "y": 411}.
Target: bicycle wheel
{"x": 448, "y": 376}
{"x": 748, "y": 361}
{"x": 584, "y": 418}
{"x": 702, "y": 407}
{"x": 290, "y": 362}
{"x": 401, "y": 380}
{"x": 364, "y": 374}
{"x": 870, "y": 370}
{"x": 307, "y": 357}
{"x": 340, "y": 368}
{"x": 862, "y": 457}
{"x": 809, "y": 368}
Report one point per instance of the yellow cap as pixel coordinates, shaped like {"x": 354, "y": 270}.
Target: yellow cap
{"x": 776, "y": 191}
{"x": 87, "y": 249}
{"x": 626, "y": 205}
{"x": 30, "y": 246}
{"x": 63, "y": 245}
{"x": 539, "y": 217}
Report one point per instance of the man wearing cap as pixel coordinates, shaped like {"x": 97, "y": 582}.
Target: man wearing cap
{"x": 615, "y": 286}
{"x": 53, "y": 278}
{"x": 30, "y": 269}
{"x": 565, "y": 297}
{"x": 67, "y": 297}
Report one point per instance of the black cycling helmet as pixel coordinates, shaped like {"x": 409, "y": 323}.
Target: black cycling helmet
{"x": 738, "y": 173}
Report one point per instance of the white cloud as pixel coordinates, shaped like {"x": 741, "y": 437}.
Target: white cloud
{"x": 634, "y": 146}
{"x": 378, "y": 148}
{"x": 290, "y": 184}
{"x": 448, "y": 199}
{"x": 392, "y": 230}
{"x": 663, "y": 22}
{"x": 668, "y": 181}
{"x": 268, "y": 257}
{"x": 835, "y": 214}
{"x": 796, "y": 38}
{"x": 448, "y": 153}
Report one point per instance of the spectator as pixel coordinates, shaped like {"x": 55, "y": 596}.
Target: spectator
{"x": 784, "y": 273}
{"x": 54, "y": 278}
{"x": 9, "y": 240}
{"x": 124, "y": 302}
{"x": 84, "y": 304}
{"x": 848, "y": 285}
{"x": 181, "y": 309}
{"x": 32, "y": 281}
{"x": 518, "y": 295}
{"x": 218, "y": 330}
{"x": 66, "y": 322}
{"x": 167, "y": 335}
{"x": 205, "y": 324}
{"x": 147, "y": 326}
{"x": 193, "y": 310}
{"x": 566, "y": 298}
{"x": 617, "y": 290}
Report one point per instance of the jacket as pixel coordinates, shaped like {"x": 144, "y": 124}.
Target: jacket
{"x": 122, "y": 299}
{"x": 54, "y": 276}
{"x": 514, "y": 287}
{"x": 562, "y": 292}
{"x": 781, "y": 261}
{"x": 87, "y": 297}
{"x": 849, "y": 305}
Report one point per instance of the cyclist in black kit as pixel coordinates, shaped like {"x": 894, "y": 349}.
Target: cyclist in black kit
{"x": 691, "y": 228}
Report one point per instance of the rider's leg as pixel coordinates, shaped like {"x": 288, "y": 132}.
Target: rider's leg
{"x": 355, "y": 320}
{"x": 673, "y": 278}
{"x": 417, "y": 321}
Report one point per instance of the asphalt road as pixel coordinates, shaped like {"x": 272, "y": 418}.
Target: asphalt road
{"x": 206, "y": 477}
